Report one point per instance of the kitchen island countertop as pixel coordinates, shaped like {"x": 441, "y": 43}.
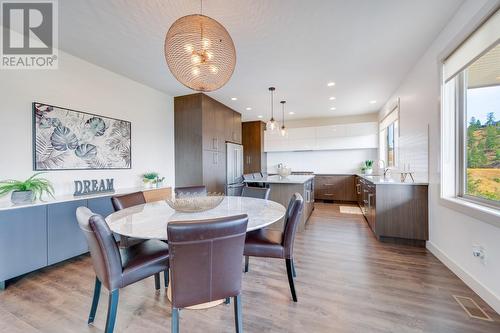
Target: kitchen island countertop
{"x": 292, "y": 179}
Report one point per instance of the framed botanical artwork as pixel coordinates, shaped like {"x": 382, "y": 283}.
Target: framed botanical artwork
{"x": 65, "y": 139}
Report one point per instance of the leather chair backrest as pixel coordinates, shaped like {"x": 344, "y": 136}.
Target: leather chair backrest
{"x": 200, "y": 190}
{"x": 127, "y": 200}
{"x": 103, "y": 249}
{"x": 248, "y": 176}
{"x": 292, "y": 220}
{"x": 205, "y": 259}
{"x": 255, "y": 192}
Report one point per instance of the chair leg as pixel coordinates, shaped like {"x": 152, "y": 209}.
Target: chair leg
{"x": 175, "y": 320}
{"x": 290, "y": 278}
{"x": 247, "y": 258}
{"x": 166, "y": 278}
{"x": 157, "y": 281}
{"x": 95, "y": 300}
{"x": 293, "y": 269}
{"x": 238, "y": 318}
{"x": 112, "y": 308}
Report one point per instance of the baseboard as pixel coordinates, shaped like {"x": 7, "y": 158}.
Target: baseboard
{"x": 487, "y": 295}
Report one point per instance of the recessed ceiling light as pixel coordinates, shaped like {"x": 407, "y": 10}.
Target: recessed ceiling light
{"x": 259, "y": 116}
{"x": 248, "y": 109}
{"x": 234, "y": 98}
{"x": 333, "y": 109}
{"x": 373, "y": 102}
{"x": 332, "y": 98}
{"x": 291, "y": 112}
{"x": 330, "y": 84}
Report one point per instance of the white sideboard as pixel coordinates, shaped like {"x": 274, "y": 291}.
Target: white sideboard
{"x": 332, "y": 137}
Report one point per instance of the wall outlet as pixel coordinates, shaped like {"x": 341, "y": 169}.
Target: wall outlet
{"x": 479, "y": 252}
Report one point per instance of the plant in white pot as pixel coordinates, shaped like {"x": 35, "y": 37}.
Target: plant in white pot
{"x": 27, "y": 191}
{"x": 152, "y": 179}
{"x": 367, "y": 167}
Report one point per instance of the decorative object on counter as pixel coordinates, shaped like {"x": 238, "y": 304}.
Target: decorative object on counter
{"x": 152, "y": 180}
{"x": 94, "y": 186}
{"x": 200, "y": 52}
{"x": 65, "y": 139}
{"x": 195, "y": 203}
{"x": 406, "y": 172}
{"x": 283, "y": 131}
{"x": 28, "y": 191}
{"x": 284, "y": 172}
{"x": 272, "y": 124}
{"x": 367, "y": 167}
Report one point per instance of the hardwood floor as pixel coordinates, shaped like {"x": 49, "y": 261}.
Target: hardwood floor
{"x": 347, "y": 282}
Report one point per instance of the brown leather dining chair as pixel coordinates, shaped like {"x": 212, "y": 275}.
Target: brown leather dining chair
{"x": 200, "y": 190}
{"x": 205, "y": 263}
{"x": 129, "y": 200}
{"x": 276, "y": 244}
{"x": 117, "y": 268}
{"x": 255, "y": 192}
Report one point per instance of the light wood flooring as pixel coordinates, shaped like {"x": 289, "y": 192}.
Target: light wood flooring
{"x": 347, "y": 282}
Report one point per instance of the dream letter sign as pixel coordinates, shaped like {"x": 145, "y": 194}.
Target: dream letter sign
{"x": 85, "y": 187}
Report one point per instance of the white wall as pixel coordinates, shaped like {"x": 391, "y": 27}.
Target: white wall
{"x": 328, "y": 161}
{"x": 325, "y": 161}
{"x": 82, "y": 86}
{"x": 452, "y": 234}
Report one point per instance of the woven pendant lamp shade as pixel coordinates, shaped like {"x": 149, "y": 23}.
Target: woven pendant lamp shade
{"x": 200, "y": 53}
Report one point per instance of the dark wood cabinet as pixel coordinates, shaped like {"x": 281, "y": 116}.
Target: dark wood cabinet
{"x": 255, "y": 159}
{"x": 202, "y": 127}
{"x": 335, "y": 187}
{"x": 395, "y": 212}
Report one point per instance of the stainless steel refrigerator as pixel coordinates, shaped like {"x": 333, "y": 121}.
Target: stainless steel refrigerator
{"x": 234, "y": 169}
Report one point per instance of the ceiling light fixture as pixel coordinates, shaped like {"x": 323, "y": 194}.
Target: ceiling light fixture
{"x": 333, "y": 108}
{"x": 271, "y": 124}
{"x": 248, "y": 109}
{"x": 234, "y": 98}
{"x": 291, "y": 112}
{"x": 200, "y": 52}
{"x": 332, "y": 98}
{"x": 373, "y": 102}
{"x": 259, "y": 116}
{"x": 330, "y": 84}
{"x": 283, "y": 129}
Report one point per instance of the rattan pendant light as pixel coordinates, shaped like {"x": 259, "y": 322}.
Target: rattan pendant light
{"x": 200, "y": 52}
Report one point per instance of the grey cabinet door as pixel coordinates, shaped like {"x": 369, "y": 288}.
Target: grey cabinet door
{"x": 101, "y": 206}
{"x": 23, "y": 241}
{"x": 65, "y": 239}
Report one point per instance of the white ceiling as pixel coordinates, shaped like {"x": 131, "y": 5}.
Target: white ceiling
{"x": 364, "y": 46}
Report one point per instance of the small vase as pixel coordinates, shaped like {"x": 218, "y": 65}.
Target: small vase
{"x": 21, "y": 197}
{"x": 368, "y": 171}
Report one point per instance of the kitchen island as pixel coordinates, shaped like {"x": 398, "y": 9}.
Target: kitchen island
{"x": 282, "y": 189}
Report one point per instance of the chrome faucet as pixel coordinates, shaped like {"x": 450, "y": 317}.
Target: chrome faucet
{"x": 386, "y": 170}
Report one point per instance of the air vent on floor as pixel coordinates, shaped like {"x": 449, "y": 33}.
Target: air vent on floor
{"x": 471, "y": 308}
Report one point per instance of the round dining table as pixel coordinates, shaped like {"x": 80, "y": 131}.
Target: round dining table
{"x": 149, "y": 221}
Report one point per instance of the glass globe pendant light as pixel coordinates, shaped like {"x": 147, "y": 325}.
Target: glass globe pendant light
{"x": 200, "y": 52}
{"x": 283, "y": 128}
{"x": 272, "y": 124}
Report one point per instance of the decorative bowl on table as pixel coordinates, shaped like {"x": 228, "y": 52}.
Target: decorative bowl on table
{"x": 284, "y": 172}
{"x": 195, "y": 203}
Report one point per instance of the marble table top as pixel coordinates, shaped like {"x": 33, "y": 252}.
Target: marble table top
{"x": 149, "y": 221}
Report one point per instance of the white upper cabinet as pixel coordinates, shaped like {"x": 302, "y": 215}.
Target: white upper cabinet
{"x": 342, "y": 136}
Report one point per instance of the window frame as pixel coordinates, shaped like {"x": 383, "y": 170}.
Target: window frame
{"x": 461, "y": 140}
{"x": 384, "y": 135}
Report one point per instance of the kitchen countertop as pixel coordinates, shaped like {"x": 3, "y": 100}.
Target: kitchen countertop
{"x": 292, "y": 179}
{"x": 390, "y": 180}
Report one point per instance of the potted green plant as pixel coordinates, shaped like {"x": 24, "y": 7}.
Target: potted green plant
{"x": 25, "y": 192}
{"x": 367, "y": 168}
{"x": 151, "y": 179}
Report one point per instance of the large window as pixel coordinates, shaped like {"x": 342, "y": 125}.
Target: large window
{"x": 479, "y": 87}
{"x": 389, "y": 135}
{"x": 471, "y": 117}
